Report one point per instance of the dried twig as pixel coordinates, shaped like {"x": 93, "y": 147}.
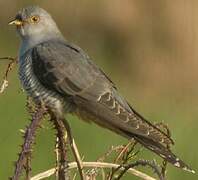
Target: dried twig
{"x": 74, "y": 149}
{"x": 56, "y": 150}
{"x": 122, "y": 151}
{"x": 8, "y": 58}
{"x": 125, "y": 155}
{"x": 73, "y": 165}
{"x": 112, "y": 149}
{"x": 28, "y": 141}
{"x": 4, "y": 84}
{"x": 151, "y": 164}
{"x": 27, "y": 166}
{"x": 62, "y": 146}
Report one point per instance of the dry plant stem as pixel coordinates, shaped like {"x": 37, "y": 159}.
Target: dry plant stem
{"x": 122, "y": 152}
{"x": 103, "y": 174}
{"x": 4, "y": 84}
{"x": 57, "y": 156}
{"x": 109, "y": 152}
{"x": 31, "y": 110}
{"x": 73, "y": 165}
{"x": 28, "y": 167}
{"x": 30, "y": 105}
{"x": 74, "y": 150}
{"x": 164, "y": 166}
{"x": 74, "y": 176}
{"x": 102, "y": 158}
{"x": 28, "y": 142}
{"x": 62, "y": 147}
{"x": 8, "y": 58}
{"x": 141, "y": 163}
{"x": 124, "y": 156}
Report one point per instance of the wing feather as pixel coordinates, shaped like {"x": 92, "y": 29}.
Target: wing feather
{"x": 68, "y": 70}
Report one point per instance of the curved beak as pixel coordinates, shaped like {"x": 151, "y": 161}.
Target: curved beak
{"x": 16, "y": 22}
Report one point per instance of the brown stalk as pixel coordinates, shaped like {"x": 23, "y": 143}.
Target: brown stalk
{"x": 29, "y": 138}
{"x": 62, "y": 147}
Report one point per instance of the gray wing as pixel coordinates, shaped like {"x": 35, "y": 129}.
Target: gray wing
{"x": 66, "y": 69}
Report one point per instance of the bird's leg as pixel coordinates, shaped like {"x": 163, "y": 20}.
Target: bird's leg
{"x": 29, "y": 136}
{"x": 62, "y": 147}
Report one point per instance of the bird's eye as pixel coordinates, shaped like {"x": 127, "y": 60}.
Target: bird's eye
{"x": 35, "y": 19}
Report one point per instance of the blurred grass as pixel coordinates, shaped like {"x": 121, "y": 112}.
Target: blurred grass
{"x": 148, "y": 48}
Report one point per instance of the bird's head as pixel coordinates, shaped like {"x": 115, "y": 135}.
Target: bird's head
{"x": 35, "y": 23}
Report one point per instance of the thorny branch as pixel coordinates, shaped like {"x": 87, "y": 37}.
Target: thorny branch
{"x": 62, "y": 147}
{"x": 28, "y": 167}
{"x": 29, "y": 138}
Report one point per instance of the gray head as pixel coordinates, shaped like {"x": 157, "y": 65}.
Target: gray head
{"x": 34, "y": 24}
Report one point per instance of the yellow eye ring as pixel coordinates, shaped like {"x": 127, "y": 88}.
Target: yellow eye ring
{"x": 34, "y": 19}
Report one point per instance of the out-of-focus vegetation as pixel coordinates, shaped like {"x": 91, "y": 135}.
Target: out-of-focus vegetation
{"x": 148, "y": 48}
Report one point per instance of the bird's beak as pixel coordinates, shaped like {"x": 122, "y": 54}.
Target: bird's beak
{"x": 16, "y": 22}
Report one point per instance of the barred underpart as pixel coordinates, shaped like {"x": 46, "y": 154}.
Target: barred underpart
{"x": 35, "y": 89}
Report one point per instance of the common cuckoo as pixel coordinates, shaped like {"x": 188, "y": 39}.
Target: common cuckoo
{"x": 62, "y": 75}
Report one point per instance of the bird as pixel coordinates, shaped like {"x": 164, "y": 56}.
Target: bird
{"x": 63, "y": 77}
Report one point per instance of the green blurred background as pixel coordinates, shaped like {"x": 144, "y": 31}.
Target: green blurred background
{"x": 148, "y": 48}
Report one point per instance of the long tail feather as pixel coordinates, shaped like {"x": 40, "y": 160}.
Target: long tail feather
{"x": 163, "y": 152}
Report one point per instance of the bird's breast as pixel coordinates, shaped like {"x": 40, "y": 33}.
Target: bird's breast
{"x": 35, "y": 89}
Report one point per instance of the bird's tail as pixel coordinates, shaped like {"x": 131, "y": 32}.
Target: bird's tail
{"x": 163, "y": 152}
{"x": 158, "y": 147}
{"x": 112, "y": 112}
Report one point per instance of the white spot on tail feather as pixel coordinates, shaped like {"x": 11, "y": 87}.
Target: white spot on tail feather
{"x": 177, "y": 164}
{"x": 189, "y": 170}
